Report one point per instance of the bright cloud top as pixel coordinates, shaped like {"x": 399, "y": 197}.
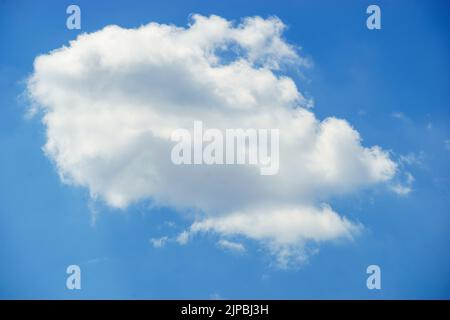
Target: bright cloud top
{"x": 112, "y": 99}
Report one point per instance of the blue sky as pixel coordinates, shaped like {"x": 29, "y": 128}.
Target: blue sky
{"x": 391, "y": 84}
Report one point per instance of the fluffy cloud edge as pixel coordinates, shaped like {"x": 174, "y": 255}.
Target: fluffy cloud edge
{"x": 91, "y": 119}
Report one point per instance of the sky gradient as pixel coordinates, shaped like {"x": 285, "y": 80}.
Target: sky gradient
{"x": 392, "y": 85}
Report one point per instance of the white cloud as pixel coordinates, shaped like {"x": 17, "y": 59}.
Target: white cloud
{"x": 112, "y": 98}
{"x": 182, "y": 238}
{"x": 284, "y": 230}
{"x": 401, "y": 116}
{"x": 405, "y": 187}
{"x": 159, "y": 242}
{"x": 283, "y": 226}
{"x": 231, "y": 245}
{"x": 412, "y": 159}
